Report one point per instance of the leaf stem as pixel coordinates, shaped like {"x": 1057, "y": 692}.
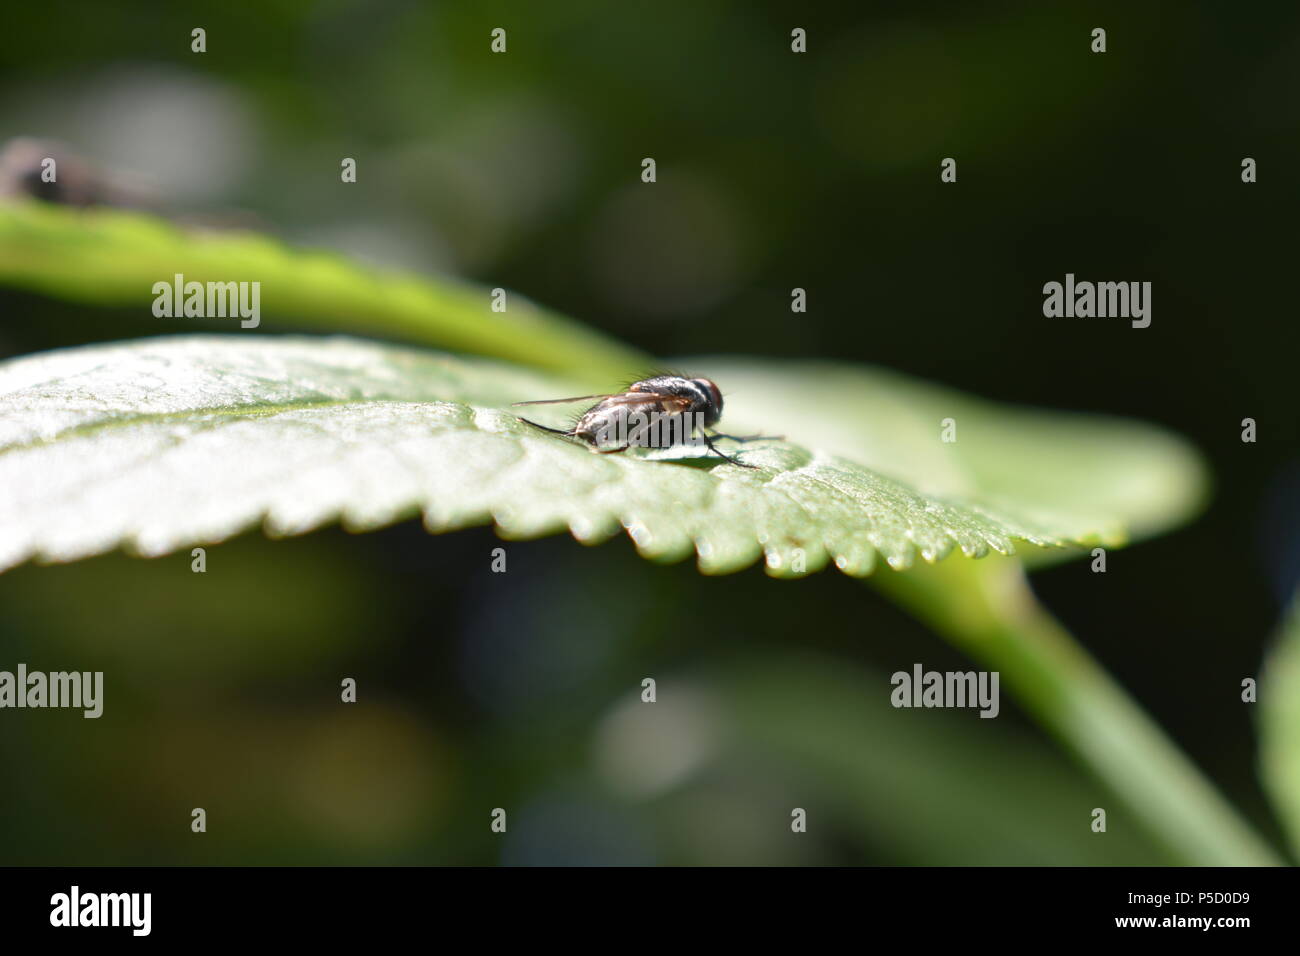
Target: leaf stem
{"x": 113, "y": 257}
{"x": 993, "y": 615}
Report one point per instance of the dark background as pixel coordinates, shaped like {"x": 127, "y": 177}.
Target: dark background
{"x": 775, "y": 170}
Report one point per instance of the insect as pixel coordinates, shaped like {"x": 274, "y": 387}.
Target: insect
{"x": 656, "y": 412}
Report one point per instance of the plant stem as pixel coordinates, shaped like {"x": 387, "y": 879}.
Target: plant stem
{"x": 986, "y": 608}
{"x": 106, "y": 256}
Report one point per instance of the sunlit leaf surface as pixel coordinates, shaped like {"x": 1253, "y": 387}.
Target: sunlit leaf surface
{"x": 166, "y": 443}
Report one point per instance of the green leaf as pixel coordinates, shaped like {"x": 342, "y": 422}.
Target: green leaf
{"x": 111, "y": 257}
{"x": 1088, "y": 477}
{"x": 1279, "y": 702}
{"x": 166, "y": 443}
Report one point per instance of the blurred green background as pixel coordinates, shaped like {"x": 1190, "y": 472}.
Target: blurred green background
{"x": 521, "y": 690}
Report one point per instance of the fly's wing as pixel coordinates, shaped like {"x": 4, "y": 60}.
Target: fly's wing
{"x": 669, "y": 404}
{"x": 563, "y": 401}
{"x": 649, "y": 404}
{"x": 595, "y": 420}
{"x": 620, "y": 407}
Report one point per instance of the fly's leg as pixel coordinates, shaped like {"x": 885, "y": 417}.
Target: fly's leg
{"x": 748, "y": 437}
{"x": 553, "y": 431}
{"x": 735, "y": 461}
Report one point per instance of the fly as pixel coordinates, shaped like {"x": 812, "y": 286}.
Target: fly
{"x": 657, "y": 412}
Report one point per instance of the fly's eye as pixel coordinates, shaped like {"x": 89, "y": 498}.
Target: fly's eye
{"x": 713, "y": 392}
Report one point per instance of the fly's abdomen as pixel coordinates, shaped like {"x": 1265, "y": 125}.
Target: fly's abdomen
{"x": 640, "y": 424}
